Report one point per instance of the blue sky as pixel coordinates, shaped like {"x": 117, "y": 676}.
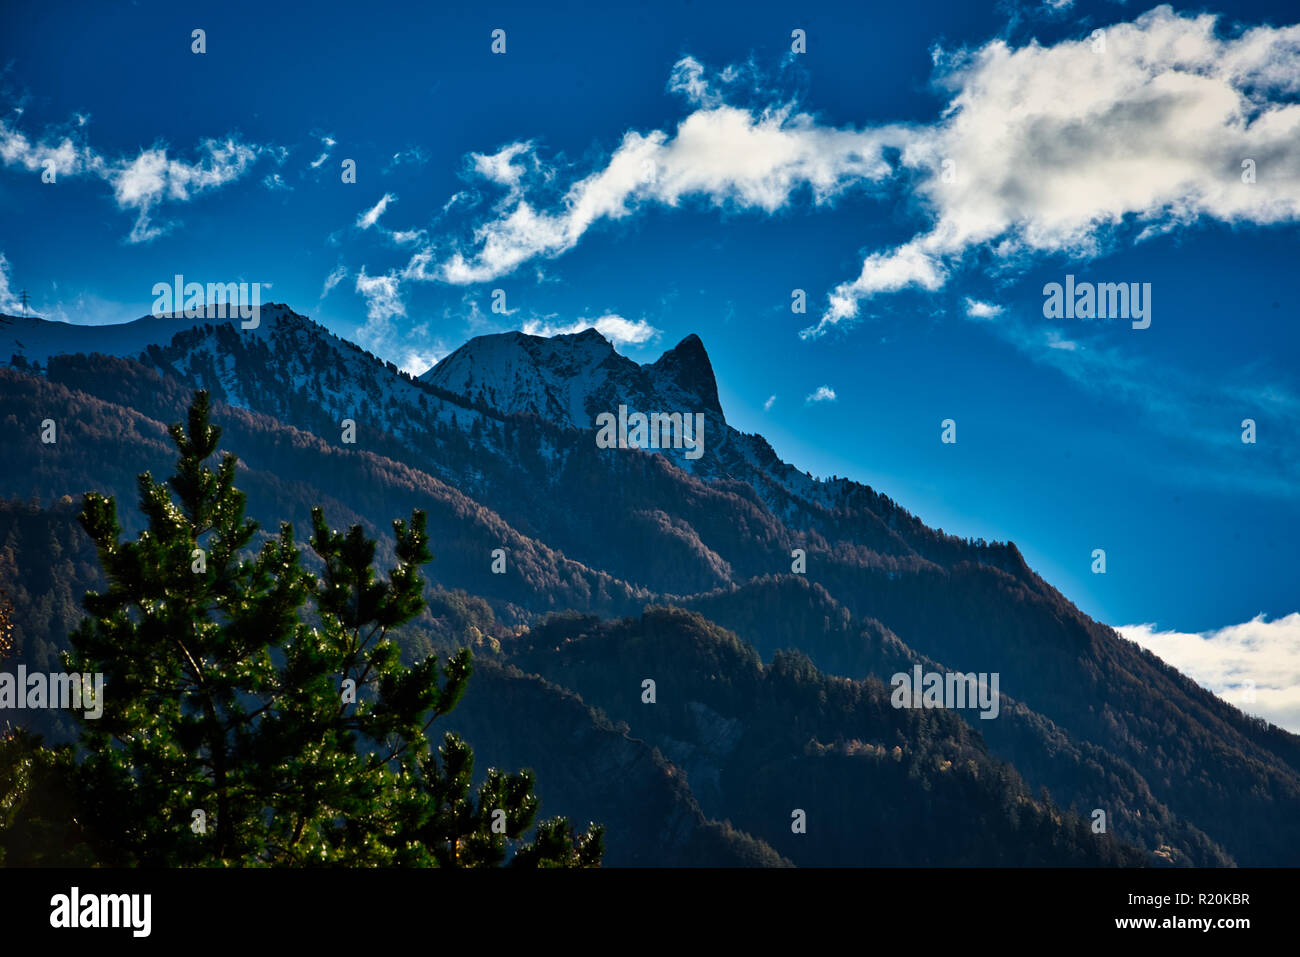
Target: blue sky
{"x": 670, "y": 168}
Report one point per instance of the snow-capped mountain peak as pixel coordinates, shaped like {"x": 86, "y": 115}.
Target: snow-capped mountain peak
{"x": 570, "y": 379}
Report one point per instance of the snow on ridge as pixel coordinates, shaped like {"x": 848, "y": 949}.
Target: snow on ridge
{"x": 518, "y": 373}
{"x": 38, "y": 339}
{"x": 565, "y": 379}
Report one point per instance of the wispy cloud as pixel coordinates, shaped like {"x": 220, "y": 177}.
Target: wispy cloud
{"x": 369, "y": 217}
{"x": 411, "y": 156}
{"x": 380, "y": 333}
{"x": 767, "y": 406}
{"x": 500, "y": 167}
{"x": 1202, "y": 414}
{"x": 412, "y": 349}
{"x": 725, "y": 155}
{"x": 1258, "y": 658}
{"x": 8, "y": 299}
{"x": 382, "y": 295}
{"x": 141, "y": 184}
{"x": 333, "y": 279}
{"x": 153, "y": 178}
{"x": 824, "y": 393}
{"x": 327, "y": 143}
{"x": 419, "y": 361}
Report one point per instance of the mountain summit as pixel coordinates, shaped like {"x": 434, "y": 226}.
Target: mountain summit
{"x": 687, "y": 365}
{"x": 570, "y": 379}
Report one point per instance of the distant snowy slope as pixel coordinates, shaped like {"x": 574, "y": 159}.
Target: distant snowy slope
{"x": 38, "y": 339}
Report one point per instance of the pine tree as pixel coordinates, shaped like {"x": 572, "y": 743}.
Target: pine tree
{"x": 257, "y": 713}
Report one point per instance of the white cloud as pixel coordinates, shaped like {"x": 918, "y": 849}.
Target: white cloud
{"x": 908, "y": 265}
{"x": 141, "y": 184}
{"x": 369, "y": 219}
{"x": 1224, "y": 660}
{"x": 419, "y": 361}
{"x": 417, "y": 268}
{"x": 64, "y": 157}
{"x": 728, "y": 156}
{"x": 824, "y": 393}
{"x": 410, "y": 348}
{"x": 371, "y": 216}
{"x": 416, "y": 352}
{"x": 382, "y": 294}
{"x": 500, "y": 167}
{"x": 1055, "y": 149}
{"x": 462, "y": 197}
{"x": 333, "y": 279}
{"x": 153, "y": 177}
{"x": 1041, "y": 149}
{"x": 327, "y": 143}
{"x": 767, "y": 406}
{"x": 688, "y": 78}
{"x": 982, "y": 310}
{"x": 619, "y": 331}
